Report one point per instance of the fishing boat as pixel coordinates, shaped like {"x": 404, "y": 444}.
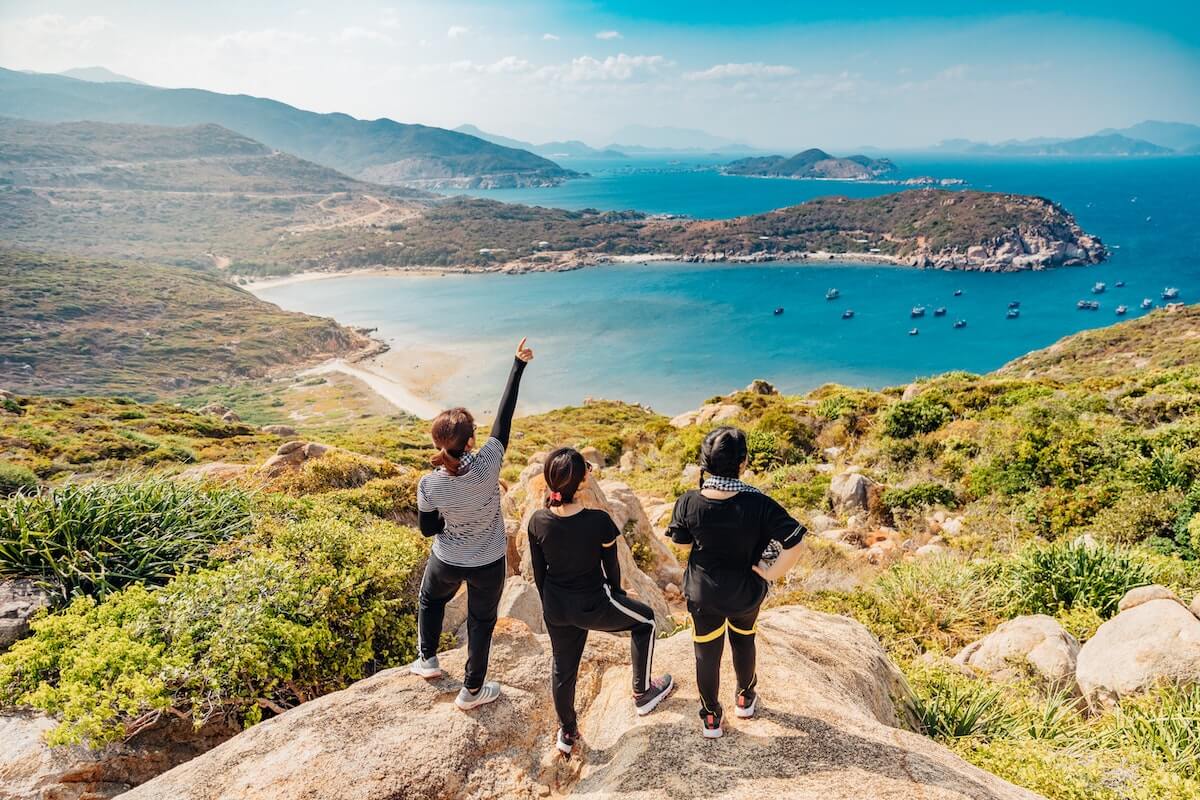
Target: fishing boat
{"x": 832, "y": 294}
{"x": 1013, "y": 313}
{"x": 1170, "y": 293}
{"x": 848, "y": 313}
{"x": 1119, "y": 284}
{"x": 1088, "y": 305}
{"x": 913, "y": 332}
{"x": 917, "y": 311}
{"x": 940, "y": 311}
{"x": 779, "y": 311}
{"x": 1014, "y": 303}
{"x": 958, "y": 292}
{"x": 960, "y": 323}
{"x": 1147, "y": 304}
{"x": 1121, "y": 310}
{"x": 1098, "y": 287}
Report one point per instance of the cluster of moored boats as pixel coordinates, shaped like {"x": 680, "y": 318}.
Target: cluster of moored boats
{"x": 1014, "y": 306}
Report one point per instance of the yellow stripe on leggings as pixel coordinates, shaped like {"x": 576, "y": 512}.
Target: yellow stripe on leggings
{"x": 707, "y": 637}
{"x": 750, "y": 632}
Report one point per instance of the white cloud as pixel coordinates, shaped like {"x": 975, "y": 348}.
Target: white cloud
{"x": 608, "y": 35}
{"x": 269, "y": 41}
{"x": 757, "y": 69}
{"x": 456, "y": 31}
{"x": 549, "y": 37}
{"x": 509, "y": 65}
{"x": 389, "y": 18}
{"x": 72, "y": 34}
{"x": 620, "y": 67}
{"x": 954, "y": 73}
{"x": 354, "y": 33}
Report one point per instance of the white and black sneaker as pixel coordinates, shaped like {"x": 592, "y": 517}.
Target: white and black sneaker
{"x": 566, "y": 741}
{"x": 712, "y": 725}
{"x": 648, "y": 700}
{"x": 487, "y": 693}
{"x": 426, "y": 667}
{"x": 747, "y": 702}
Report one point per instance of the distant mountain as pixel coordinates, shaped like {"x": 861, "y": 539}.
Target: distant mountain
{"x": 1105, "y": 143}
{"x": 99, "y": 75}
{"x": 648, "y": 138}
{"x": 812, "y": 163}
{"x": 569, "y": 149}
{"x": 382, "y": 150}
{"x": 1175, "y": 135}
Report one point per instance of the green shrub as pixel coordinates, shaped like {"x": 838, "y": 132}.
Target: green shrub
{"x": 952, "y": 706}
{"x": 1137, "y": 516}
{"x": 911, "y": 417}
{"x": 97, "y": 538}
{"x": 933, "y": 604}
{"x": 14, "y": 478}
{"x": 387, "y": 498}
{"x": 1165, "y": 723}
{"x": 1053, "y": 578}
{"x": 336, "y": 469}
{"x": 314, "y": 605}
{"x": 920, "y": 495}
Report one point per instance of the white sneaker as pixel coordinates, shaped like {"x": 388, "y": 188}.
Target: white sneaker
{"x": 426, "y": 667}
{"x": 566, "y": 742}
{"x": 487, "y": 693}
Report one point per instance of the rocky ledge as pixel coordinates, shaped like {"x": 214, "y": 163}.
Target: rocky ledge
{"x": 828, "y": 728}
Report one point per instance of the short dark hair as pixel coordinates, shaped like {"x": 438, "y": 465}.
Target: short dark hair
{"x": 451, "y": 430}
{"x": 722, "y": 452}
{"x": 564, "y": 470}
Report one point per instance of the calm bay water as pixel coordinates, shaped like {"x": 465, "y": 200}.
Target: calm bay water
{"x": 673, "y": 335}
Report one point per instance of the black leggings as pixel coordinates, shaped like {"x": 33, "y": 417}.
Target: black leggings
{"x": 484, "y": 587}
{"x": 708, "y": 638}
{"x": 573, "y": 616}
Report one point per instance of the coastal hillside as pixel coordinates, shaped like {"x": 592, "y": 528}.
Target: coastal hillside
{"x": 811, "y": 163}
{"x": 923, "y": 228}
{"x": 197, "y": 195}
{"x": 382, "y": 150}
{"x": 72, "y": 325}
{"x": 1166, "y": 339}
{"x": 1023, "y": 550}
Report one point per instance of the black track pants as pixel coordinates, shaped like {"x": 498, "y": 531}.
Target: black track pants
{"x": 708, "y": 638}
{"x": 438, "y": 586}
{"x": 569, "y": 617}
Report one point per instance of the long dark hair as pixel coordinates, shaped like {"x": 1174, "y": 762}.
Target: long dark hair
{"x": 451, "y": 430}
{"x": 564, "y": 470}
{"x": 722, "y": 453}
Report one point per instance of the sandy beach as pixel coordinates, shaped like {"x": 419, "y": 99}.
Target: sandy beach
{"x": 387, "y": 386}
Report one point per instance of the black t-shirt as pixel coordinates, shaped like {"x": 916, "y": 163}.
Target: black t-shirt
{"x": 728, "y": 538}
{"x": 576, "y": 553}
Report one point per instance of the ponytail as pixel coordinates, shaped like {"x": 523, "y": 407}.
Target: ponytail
{"x": 564, "y": 470}
{"x": 452, "y": 432}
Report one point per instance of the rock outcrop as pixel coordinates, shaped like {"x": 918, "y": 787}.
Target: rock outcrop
{"x": 849, "y": 493}
{"x": 1036, "y": 643}
{"x": 1144, "y": 594}
{"x": 1155, "y": 642}
{"x": 32, "y": 770}
{"x": 20, "y": 600}
{"x": 291, "y": 455}
{"x": 711, "y": 412}
{"x": 827, "y": 730}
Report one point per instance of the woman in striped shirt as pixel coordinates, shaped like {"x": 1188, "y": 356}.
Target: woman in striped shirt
{"x": 458, "y": 504}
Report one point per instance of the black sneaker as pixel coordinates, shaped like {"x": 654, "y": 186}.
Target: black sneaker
{"x": 747, "y": 701}
{"x": 648, "y": 700}
{"x": 566, "y": 741}
{"x": 712, "y": 725}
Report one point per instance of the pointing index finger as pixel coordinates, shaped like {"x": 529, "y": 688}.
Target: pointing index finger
{"x": 521, "y": 346}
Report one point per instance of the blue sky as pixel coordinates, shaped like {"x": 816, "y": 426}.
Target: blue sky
{"x": 780, "y": 75}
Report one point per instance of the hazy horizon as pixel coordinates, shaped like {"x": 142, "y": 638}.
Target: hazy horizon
{"x": 773, "y": 76}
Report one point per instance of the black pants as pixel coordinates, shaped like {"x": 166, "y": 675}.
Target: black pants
{"x": 438, "y": 586}
{"x": 708, "y": 638}
{"x": 569, "y": 617}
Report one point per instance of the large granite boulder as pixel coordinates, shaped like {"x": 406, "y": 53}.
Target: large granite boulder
{"x": 1035, "y": 644}
{"x": 827, "y": 730}
{"x": 1152, "y": 643}
{"x": 20, "y": 600}
{"x": 1144, "y": 594}
{"x": 291, "y": 456}
{"x": 32, "y": 770}
{"x": 850, "y": 493}
{"x": 711, "y": 412}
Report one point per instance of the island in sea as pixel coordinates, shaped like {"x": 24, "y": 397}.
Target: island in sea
{"x": 812, "y": 164}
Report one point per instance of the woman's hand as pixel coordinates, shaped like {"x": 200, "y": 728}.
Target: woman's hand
{"x": 523, "y": 352}
{"x": 763, "y": 570}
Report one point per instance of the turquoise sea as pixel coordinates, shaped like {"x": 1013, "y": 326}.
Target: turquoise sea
{"x": 672, "y": 335}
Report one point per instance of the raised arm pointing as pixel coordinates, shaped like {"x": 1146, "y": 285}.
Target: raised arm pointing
{"x": 508, "y": 401}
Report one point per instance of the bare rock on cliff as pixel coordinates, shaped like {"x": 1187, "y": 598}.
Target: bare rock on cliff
{"x": 711, "y": 412}
{"x": 291, "y": 455}
{"x": 1152, "y": 643}
{"x": 1144, "y": 594}
{"x": 32, "y": 770}
{"x": 850, "y": 492}
{"x": 20, "y": 600}
{"x": 828, "y": 730}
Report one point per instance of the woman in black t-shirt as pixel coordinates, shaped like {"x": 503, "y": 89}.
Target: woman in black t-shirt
{"x": 730, "y": 525}
{"x": 575, "y": 567}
